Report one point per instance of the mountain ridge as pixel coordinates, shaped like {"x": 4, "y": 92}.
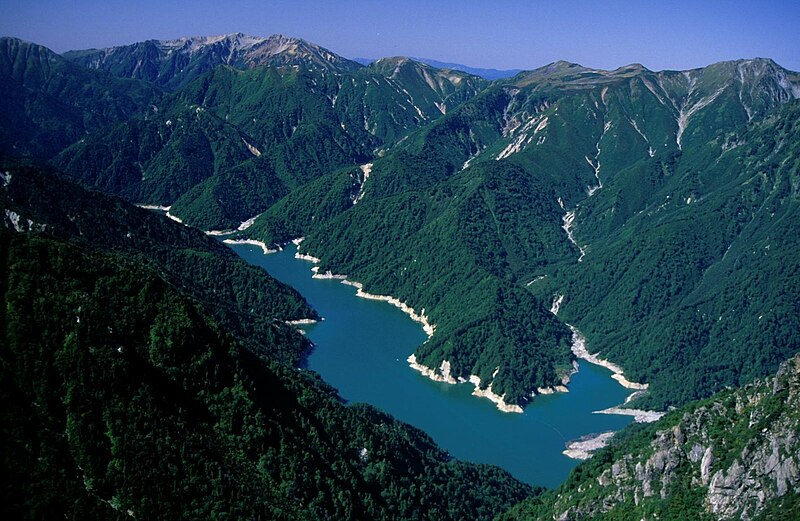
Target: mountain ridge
{"x": 637, "y": 131}
{"x": 264, "y": 48}
{"x": 172, "y": 63}
{"x": 49, "y": 102}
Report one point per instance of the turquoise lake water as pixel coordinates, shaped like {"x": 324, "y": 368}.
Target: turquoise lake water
{"x": 361, "y": 348}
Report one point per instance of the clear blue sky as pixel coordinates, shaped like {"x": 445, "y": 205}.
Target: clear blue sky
{"x": 499, "y": 33}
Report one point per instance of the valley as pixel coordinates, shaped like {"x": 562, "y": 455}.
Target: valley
{"x": 640, "y": 220}
{"x": 352, "y": 354}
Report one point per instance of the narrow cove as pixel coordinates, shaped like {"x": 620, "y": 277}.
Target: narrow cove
{"x": 361, "y": 348}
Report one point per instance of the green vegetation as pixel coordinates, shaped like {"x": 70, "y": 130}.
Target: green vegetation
{"x": 126, "y": 395}
{"x": 687, "y": 294}
{"x": 174, "y": 64}
{"x": 470, "y": 183}
{"x": 48, "y": 103}
{"x": 727, "y": 457}
{"x": 679, "y": 191}
{"x": 455, "y": 251}
{"x": 648, "y": 294}
{"x": 243, "y": 298}
{"x": 229, "y": 144}
{"x": 656, "y": 291}
{"x": 123, "y": 396}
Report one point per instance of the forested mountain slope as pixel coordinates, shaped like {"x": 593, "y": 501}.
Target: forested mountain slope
{"x": 239, "y": 135}
{"x": 126, "y": 396}
{"x": 594, "y": 184}
{"x": 48, "y": 103}
{"x": 243, "y": 298}
{"x": 655, "y": 212}
{"x": 733, "y": 456}
{"x": 698, "y": 288}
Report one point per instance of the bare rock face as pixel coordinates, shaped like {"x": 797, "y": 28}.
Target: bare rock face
{"x": 728, "y": 489}
{"x": 705, "y": 466}
{"x": 766, "y": 471}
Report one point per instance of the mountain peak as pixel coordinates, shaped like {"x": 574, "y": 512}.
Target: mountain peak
{"x": 553, "y": 71}
{"x": 633, "y": 67}
{"x": 394, "y": 60}
{"x": 437, "y": 78}
{"x": 241, "y": 43}
{"x": 391, "y": 66}
{"x": 561, "y": 65}
{"x": 173, "y": 63}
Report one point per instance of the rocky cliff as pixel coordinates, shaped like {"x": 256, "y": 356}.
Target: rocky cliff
{"x": 733, "y": 456}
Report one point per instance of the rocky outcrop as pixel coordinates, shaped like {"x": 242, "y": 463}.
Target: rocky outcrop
{"x": 729, "y": 457}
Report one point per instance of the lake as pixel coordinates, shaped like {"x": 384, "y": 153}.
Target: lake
{"x": 361, "y": 348}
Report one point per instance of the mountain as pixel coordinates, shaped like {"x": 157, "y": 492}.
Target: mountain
{"x": 450, "y": 250}
{"x": 485, "y": 204}
{"x": 173, "y": 64}
{"x": 698, "y": 267}
{"x": 732, "y": 456}
{"x": 128, "y": 396}
{"x": 487, "y": 74}
{"x": 428, "y": 86}
{"x": 228, "y": 145}
{"x": 35, "y": 199}
{"x": 48, "y": 103}
{"x": 644, "y": 217}
{"x": 586, "y": 184}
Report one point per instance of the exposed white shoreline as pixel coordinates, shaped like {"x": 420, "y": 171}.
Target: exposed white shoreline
{"x": 164, "y": 209}
{"x": 154, "y": 207}
{"x": 429, "y": 329}
{"x": 405, "y": 308}
{"x": 248, "y": 223}
{"x": 242, "y": 227}
{"x": 580, "y": 351}
{"x": 639, "y": 415}
{"x": 217, "y": 233}
{"x": 585, "y": 448}
{"x": 253, "y": 242}
{"x": 175, "y": 218}
{"x": 301, "y": 322}
{"x": 305, "y": 257}
{"x": 445, "y": 377}
{"x": 488, "y": 393}
{"x": 328, "y": 275}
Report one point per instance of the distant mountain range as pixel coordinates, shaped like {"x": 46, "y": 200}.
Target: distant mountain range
{"x": 646, "y": 217}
